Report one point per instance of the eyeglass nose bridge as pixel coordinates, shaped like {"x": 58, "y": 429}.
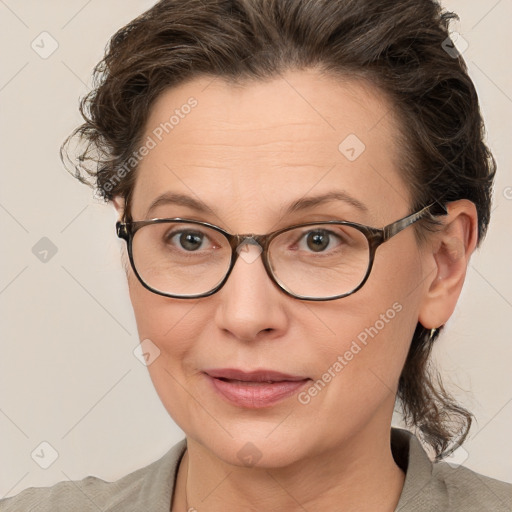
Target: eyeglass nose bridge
{"x": 241, "y": 247}
{"x": 242, "y": 244}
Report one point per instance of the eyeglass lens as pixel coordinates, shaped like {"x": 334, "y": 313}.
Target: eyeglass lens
{"x": 321, "y": 260}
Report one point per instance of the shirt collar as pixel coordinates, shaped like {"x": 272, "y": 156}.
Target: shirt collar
{"x": 410, "y": 455}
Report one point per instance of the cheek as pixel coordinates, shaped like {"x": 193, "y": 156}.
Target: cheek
{"x": 171, "y": 326}
{"x": 158, "y": 317}
{"x": 370, "y": 341}
{"x": 371, "y": 333}
{"x": 357, "y": 373}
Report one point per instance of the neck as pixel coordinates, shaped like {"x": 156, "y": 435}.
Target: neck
{"x": 360, "y": 475}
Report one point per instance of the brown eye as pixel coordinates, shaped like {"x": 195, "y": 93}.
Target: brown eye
{"x": 318, "y": 240}
{"x": 189, "y": 240}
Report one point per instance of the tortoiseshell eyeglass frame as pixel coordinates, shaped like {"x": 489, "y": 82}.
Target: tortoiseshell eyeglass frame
{"x": 375, "y": 236}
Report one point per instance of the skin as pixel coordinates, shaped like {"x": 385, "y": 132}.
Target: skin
{"x": 246, "y": 151}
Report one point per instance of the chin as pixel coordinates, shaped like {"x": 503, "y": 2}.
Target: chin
{"x": 252, "y": 446}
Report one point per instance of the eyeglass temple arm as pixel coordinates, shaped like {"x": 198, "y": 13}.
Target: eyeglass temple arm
{"x": 395, "y": 228}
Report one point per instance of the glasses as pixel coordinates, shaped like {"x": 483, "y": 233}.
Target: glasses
{"x": 317, "y": 261}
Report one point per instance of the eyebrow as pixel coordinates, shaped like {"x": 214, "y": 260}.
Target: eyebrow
{"x": 299, "y": 205}
{"x": 309, "y": 202}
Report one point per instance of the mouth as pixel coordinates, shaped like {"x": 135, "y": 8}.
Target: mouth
{"x": 254, "y": 389}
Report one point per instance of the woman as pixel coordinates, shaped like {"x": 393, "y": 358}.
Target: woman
{"x": 300, "y": 186}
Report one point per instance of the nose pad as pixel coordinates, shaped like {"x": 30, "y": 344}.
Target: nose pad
{"x": 249, "y": 250}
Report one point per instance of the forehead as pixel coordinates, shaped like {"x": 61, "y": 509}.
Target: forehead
{"x": 269, "y": 141}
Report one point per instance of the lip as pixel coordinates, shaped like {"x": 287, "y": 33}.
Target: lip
{"x": 252, "y": 376}
{"x": 254, "y": 389}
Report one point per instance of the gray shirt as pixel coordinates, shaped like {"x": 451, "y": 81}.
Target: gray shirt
{"x": 428, "y": 487}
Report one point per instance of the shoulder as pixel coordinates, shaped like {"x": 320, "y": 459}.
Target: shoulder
{"x": 146, "y": 488}
{"x": 471, "y": 491}
{"x": 443, "y": 486}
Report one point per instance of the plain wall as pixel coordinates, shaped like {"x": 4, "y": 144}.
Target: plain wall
{"x": 68, "y": 375}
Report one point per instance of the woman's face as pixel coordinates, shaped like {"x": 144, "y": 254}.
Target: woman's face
{"x": 246, "y": 154}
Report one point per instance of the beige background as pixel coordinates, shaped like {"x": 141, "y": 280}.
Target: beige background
{"x": 68, "y": 375}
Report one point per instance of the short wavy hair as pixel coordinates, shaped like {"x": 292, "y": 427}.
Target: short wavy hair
{"x": 400, "y": 46}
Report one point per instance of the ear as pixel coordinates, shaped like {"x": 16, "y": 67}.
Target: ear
{"x": 449, "y": 257}
{"x": 119, "y": 204}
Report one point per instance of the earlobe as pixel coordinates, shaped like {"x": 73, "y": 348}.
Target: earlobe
{"x": 451, "y": 251}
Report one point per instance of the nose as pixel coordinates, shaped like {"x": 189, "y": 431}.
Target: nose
{"x": 250, "y": 306}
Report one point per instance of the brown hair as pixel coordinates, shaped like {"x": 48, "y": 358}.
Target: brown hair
{"x": 398, "y": 45}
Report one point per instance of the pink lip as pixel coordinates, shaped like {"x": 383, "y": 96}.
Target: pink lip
{"x": 252, "y": 389}
{"x": 252, "y": 376}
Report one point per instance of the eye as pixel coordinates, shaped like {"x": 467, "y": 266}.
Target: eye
{"x": 189, "y": 240}
{"x": 319, "y": 240}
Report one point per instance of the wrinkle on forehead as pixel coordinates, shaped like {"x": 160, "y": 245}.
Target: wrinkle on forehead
{"x": 269, "y": 134}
